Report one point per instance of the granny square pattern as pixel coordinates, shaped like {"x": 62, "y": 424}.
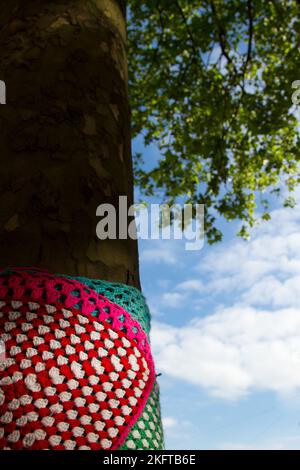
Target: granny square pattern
{"x": 147, "y": 433}
{"x": 77, "y": 371}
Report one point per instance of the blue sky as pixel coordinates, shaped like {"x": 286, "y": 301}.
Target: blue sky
{"x": 226, "y": 335}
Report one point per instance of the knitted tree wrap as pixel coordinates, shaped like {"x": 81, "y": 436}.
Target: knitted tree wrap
{"x": 78, "y": 369}
{"x": 147, "y": 433}
{"x": 128, "y": 297}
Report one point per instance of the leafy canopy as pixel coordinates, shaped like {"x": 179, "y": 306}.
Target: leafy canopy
{"x": 211, "y": 85}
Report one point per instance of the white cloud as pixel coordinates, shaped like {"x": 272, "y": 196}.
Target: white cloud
{"x": 233, "y": 352}
{"x": 253, "y": 342}
{"x": 172, "y": 299}
{"x": 169, "y": 422}
{"x": 275, "y": 293}
{"x": 162, "y": 254}
{"x": 280, "y": 443}
{"x": 265, "y": 270}
{"x": 191, "y": 285}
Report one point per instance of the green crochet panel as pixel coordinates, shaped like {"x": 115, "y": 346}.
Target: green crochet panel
{"x": 147, "y": 433}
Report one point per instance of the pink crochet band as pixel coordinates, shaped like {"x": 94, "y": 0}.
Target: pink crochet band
{"x": 43, "y": 285}
{"x": 53, "y": 329}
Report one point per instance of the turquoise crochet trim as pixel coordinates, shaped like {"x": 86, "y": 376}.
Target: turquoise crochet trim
{"x": 128, "y": 297}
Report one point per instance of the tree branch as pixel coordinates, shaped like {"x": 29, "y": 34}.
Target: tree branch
{"x": 222, "y": 34}
{"x": 250, "y": 32}
{"x": 250, "y": 39}
{"x": 160, "y": 40}
{"x": 189, "y": 31}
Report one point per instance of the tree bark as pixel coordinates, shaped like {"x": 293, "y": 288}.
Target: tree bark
{"x": 64, "y": 136}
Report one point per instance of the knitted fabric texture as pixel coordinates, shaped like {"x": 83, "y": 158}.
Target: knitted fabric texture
{"x": 127, "y": 297}
{"x": 78, "y": 368}
{"x": 147, "y": 433}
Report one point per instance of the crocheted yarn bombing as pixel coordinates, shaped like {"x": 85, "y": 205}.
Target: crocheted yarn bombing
{"x": 147, "y": 433}
{"x": 78, "y": 369}
{"x": 128, "y": 297}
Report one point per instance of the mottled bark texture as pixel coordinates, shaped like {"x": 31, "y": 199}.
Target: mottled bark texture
{"x": 64, "y": 136}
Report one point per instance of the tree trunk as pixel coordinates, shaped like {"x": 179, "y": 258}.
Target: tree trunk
{"x": 64, "y": 136}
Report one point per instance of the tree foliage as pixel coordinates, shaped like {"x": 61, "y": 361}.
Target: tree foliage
{"x": 211, "y": 85}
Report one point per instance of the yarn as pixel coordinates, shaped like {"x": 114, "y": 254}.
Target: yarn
{"x": 79, "y": 369}
{"x": 147, "y": 433}
{"x": 128, "y": 297}
{"x": 56, "y": 288}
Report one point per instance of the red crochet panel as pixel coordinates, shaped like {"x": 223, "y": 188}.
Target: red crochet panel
{"x": 70, "y": 380}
